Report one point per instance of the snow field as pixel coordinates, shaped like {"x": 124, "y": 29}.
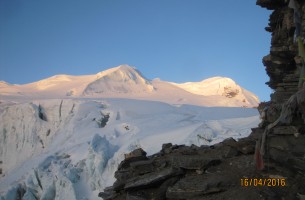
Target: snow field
{"x": 88, "y": 138}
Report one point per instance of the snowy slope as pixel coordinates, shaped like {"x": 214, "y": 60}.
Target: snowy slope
{"x": 127, "y": 82}
{"x": 7, "y": 89}
{"x": 70, "y": 148}
{"x": 122, "y": 79}
{"x": 211, "y": 86}
{"x": 219, "y": 86}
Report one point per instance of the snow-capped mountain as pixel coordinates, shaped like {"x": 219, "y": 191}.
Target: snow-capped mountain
{"x": 220, "y": 86}
{"x": 122, "y": 79}
{"x": 127, "y": 82}
{"x": 63, "y": 137}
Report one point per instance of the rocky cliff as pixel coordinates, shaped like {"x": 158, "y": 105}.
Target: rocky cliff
{"x": 283, "y": 141}
{"x": 269, "y": 164}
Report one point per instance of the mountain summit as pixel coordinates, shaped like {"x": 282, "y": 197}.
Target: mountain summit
{"x": 219, "y": 86}
{"x": 121, "y": 79}
{"x": 213, "y": 86}
{"x": 127, "y": 82}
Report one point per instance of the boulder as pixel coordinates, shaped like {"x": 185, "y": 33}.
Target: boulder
{"x": 194, "y": 162}
{"x": 198, "y": 186}
{"x": 135, "y": 153}
{"x": 152, "y": 179}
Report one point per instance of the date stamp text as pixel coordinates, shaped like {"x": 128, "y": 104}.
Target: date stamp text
{"x": 261, "y": 182}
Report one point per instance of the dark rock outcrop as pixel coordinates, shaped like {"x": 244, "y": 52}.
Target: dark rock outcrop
{"x": 283, "y": 116}
{"x": 182, "y": 172}
{"x": 1, "y": 166}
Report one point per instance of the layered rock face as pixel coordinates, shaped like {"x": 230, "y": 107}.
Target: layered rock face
{"x": 183, "y": 172}
{"x": 284, "y": 140}
{"x": 274, "y": 152}
{"x": 280, "y": 63}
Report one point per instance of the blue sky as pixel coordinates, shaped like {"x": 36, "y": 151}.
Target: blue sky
{"x": 175, "y": 40}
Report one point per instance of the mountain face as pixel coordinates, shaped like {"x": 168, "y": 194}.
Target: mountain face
{"x": 122, "y": 79}
{"x": 127, "y": 82}
{"x": 213, "y": 86}
{"x": 219, "y": 86}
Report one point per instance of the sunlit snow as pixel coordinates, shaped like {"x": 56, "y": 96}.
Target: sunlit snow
{"x": 63, "y": 137}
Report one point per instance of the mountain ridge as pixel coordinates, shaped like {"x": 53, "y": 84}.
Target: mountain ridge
{"x": 125, "y": 81}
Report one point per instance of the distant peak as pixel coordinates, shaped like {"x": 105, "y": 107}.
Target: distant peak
{"x": 121, "y": 68}
{"x": 120, "y": 79}
{"x": 218, "y": 79}
{"x": 126, "y": 67}
{"x": 4, "y": 83}
{"x": 60, "y": 77}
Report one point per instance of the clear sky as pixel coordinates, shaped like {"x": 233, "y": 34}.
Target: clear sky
{"x": 175, "y": 40}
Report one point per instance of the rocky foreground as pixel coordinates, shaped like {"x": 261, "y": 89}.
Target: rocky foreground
{"x": 222, "y": 171}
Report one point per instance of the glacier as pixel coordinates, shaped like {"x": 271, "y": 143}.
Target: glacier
{"x": 58, "y": 149}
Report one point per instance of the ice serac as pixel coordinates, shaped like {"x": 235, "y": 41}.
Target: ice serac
{"x": 121, "y": 79}
{"x": 100, "y": 152}
{"x": 28, "y": 128}
{"x": 63, "y": 151}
